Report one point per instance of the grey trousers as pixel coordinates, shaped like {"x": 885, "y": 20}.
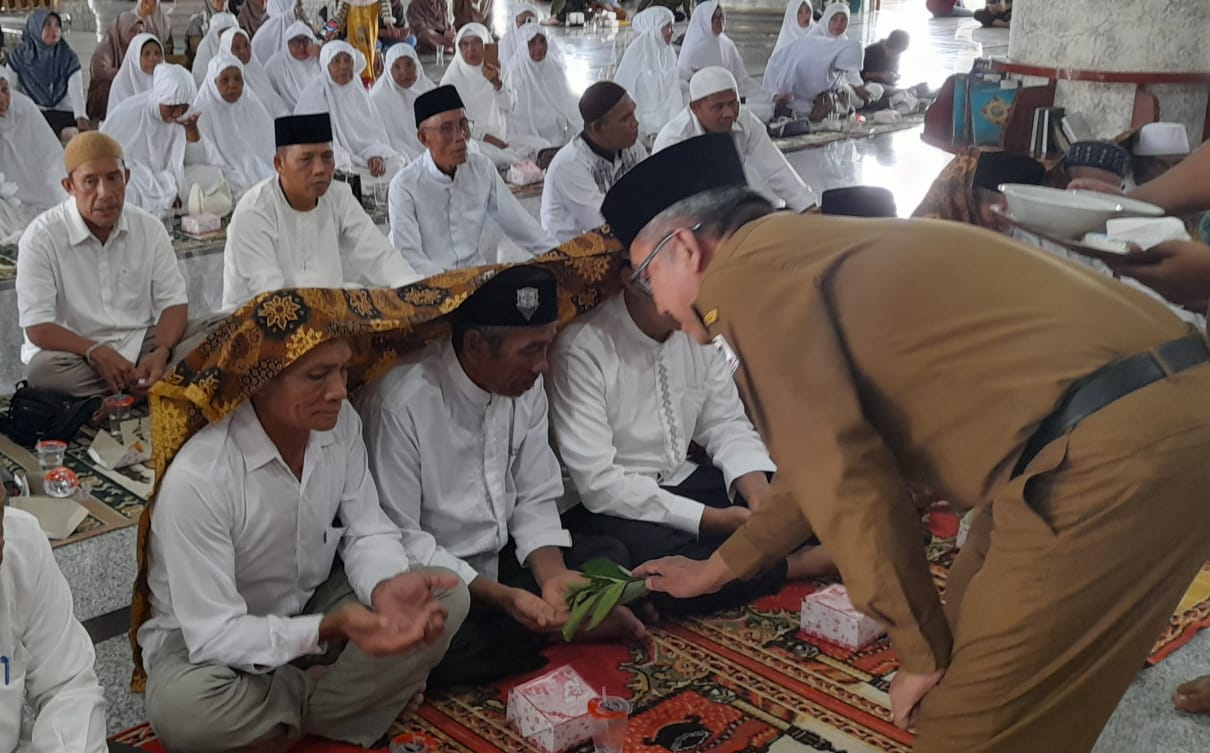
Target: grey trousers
{"x": 345, "y": 695}
{"x": 72, "y": 375}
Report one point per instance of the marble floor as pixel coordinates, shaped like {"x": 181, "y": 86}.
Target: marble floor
{"x": 101, "y": 570}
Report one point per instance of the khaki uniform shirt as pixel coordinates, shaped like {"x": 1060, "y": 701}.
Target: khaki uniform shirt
{"x": 877, "y": 350}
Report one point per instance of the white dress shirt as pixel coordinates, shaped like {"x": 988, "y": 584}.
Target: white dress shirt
{"x": 46, "y": 657}
{"x": 460, "y": 469}
{"x": 765, "y": 166}
{"x": 576, "y": 183}
{"x": 239, "y": 543}
{"x": 271, "y": 246}
{"x": 624, "y": 408}
{"x": 108, "y": 292}
{"x": 437, "y": 221}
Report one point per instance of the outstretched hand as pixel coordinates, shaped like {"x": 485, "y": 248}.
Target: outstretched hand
{"x": 685, "y": 578}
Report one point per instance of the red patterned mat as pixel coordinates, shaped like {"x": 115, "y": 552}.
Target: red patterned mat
{"x": 737, "y": 681}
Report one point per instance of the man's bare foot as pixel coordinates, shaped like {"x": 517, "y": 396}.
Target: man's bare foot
{"x": 620, "y": 625}
{"x": 1194, "y": 696}
{"x": 809, "y": 562}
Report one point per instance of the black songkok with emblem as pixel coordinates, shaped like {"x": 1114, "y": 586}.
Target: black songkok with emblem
{"x": 523, "y": 296}
{"x": 303, "y": 129}
{"x": 700, "y": 164}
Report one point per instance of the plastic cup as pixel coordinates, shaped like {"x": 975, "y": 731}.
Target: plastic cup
{"x": 410, "y": 742}
{"x": 50, "y": 453}
{"x": 117, "y": 408}
{"x": 60, "y": 482}
{"x": 610, "y": 715}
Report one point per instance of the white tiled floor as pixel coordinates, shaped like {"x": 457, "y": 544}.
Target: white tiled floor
{"x": 899, "y": 161}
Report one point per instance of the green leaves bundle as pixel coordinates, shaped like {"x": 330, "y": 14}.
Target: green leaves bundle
{"x": 609, "y": 585}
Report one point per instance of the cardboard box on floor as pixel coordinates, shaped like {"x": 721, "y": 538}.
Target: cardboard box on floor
{"x": 58, "y": 518}
{"x": 134, "y": 447}
{"x": 551, "y": 711}
{"x": 829, "y": 615}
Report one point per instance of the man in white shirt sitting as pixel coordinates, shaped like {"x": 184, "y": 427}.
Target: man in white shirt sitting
{"x": 586, "y": 168}
{"x": 46, "y": 657}
{"x": 99, "y": 293}
{"x": 440, "y": 201}
{"x": 301, "y": 230}
{"x": 458, "y": 445}
{"x": 257, "y": 634}
{"x": 628, "y": 394}
{"x": 714, "y": 107}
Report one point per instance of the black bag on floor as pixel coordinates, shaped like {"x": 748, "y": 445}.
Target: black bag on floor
{"x": 34, "y": 414}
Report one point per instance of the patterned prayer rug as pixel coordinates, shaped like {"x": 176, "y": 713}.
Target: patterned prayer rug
{"x": 738, "y": 681}
{"x": 116, "y": 497}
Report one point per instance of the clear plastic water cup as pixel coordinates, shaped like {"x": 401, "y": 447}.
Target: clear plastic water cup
{"x": 117, "y": 409}
{"x": 610, "y": 715}
{"x": 50, "y": 453}
{"x": 60, "y": 483}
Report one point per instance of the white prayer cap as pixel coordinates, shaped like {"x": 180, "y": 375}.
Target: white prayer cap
{"x": 172, "y": 85}
{"x": 1161, "y": 139}
{"x": 711, "y": 80}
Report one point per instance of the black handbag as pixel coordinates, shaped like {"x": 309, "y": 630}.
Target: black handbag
{"x": 35, "y": 414}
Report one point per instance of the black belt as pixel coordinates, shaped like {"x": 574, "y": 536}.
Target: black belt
{"x": 1111, "y": 382}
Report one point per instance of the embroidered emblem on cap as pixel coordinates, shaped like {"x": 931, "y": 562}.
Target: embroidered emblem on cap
{"x": 710, "y": 318}
{"x": 527, "y": 302}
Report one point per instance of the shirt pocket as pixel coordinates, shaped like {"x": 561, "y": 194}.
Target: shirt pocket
{"x": 324, "y": 555}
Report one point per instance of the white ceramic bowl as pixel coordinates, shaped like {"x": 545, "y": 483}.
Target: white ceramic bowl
{"x": 1063, "y": 214}
{"x": 1127, "y": 207}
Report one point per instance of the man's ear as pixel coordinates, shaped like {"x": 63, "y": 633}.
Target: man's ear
{"x": 67, "y": 185}
{"x": 422, "y": 136}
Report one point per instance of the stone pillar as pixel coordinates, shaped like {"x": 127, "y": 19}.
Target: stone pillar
{"x": 1120, "y": 36}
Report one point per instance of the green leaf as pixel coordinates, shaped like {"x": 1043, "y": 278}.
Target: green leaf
{"x": 635, "y": 590}
{"x": 603, "y": 568}
{"x": 609, "y": 600}
{"x": 578, "y": 612}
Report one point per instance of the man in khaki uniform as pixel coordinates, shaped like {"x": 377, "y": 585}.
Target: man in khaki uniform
{"x": 873, "y": 352}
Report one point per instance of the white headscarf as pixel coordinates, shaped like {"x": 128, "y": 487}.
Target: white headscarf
{"x": 255, "y": 75}
{"x": 397, "y": 105}
{"x": 820, "y": 27}
{"x": 648, "y": 71}
{"x": 271, "y": 36}
{"x": 238, "y": 135}
{"x": 510, "y": 43}
{"x": 545, "y": 107}
{"x": 209, "y": 45}
{"x": 31, "y": 157}
{"x": 811, "y": 66}
{"x": 476, "y": 91}
{"x": 130, "y": 79}
{"x": 154, "y": 150}
{"x": 289, "y": 76}
{"x": 356, "y": 126}
{"x": 702, "y": 47}
{"x": 790, "y": 30}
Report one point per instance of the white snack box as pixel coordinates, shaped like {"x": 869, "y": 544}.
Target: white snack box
{"x": 829, "y": 615}
{"x": 551, "y": 711}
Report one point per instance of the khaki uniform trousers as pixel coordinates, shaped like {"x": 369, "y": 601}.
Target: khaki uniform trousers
{"x": 1072, "y": 574}
{"x": 345, "y": 695}
{"x": 73, "y": 375}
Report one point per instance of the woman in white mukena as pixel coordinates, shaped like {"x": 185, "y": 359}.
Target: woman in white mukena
{"x": 31, "y": 162}
{"x": 648, "y": 71}
{"x": 235, "y": 126}
{"x": 360, "y": 138}
{"x": 273, "y": 33}
{"x": 163, "y": 146}
{"x": 235, "y": 42}
{"x": 796, "y": 23}
{"x": 707, "y": 44}
{"x": 209, "y": 46}
{"x": 134, "y": 75}
{"x": 394, "y": 94}
{"x": 295, "y": 65}
{"x": 546, "y": 109}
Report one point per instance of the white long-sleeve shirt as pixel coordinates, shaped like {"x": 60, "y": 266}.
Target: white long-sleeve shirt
{"x": 239, "y": 544}
{"x": 624, "y": 408}
{"x": 460, "y": 470}
{"x": 110, "y": 292}
{"x": 766, "y": 168}
{"x": 576, "y": 183}
{"x": 73, "y": 101}
{"x": 271, "y": 245}
{"x": 46, "y": 657}
{"x": 437, "y": 221}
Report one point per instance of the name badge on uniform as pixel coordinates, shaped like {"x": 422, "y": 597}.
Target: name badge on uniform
{"x": 720, "y": 343}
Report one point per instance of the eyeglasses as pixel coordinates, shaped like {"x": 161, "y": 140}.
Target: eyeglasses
{"x": 640, "y": 279}
{"x": 450, "y": 130}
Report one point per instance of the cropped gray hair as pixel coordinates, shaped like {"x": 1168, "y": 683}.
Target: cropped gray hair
{"x": 720, "y": 211}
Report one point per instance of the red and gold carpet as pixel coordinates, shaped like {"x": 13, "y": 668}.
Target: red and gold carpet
{"x": 742, "y": 681}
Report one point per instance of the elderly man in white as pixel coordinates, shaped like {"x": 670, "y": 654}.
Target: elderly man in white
{"x": 440, "y": 202}
{"x": 628, "y": 395}
{"x": 46, "y": 657}
{"x": 300, "y": 229}
{"x": 714, "y": 107}
{"x": 99, "y": 293}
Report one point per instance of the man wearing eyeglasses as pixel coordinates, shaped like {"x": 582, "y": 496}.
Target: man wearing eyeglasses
{"x": 299, "y": 229}
{"x": 628, "y": 395}
{"x": 714, "y": 107}
{"x": 441, "y": 200}
{"x": 1067, "y": 407}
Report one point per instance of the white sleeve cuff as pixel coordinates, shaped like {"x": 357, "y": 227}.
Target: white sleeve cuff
{"x": 442, "y": 558}
{"x": 302, "y": 635}
{"x": 558, "y": 537}
{"x": 741, "y": 464}
{"x": 684, "y": 514}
